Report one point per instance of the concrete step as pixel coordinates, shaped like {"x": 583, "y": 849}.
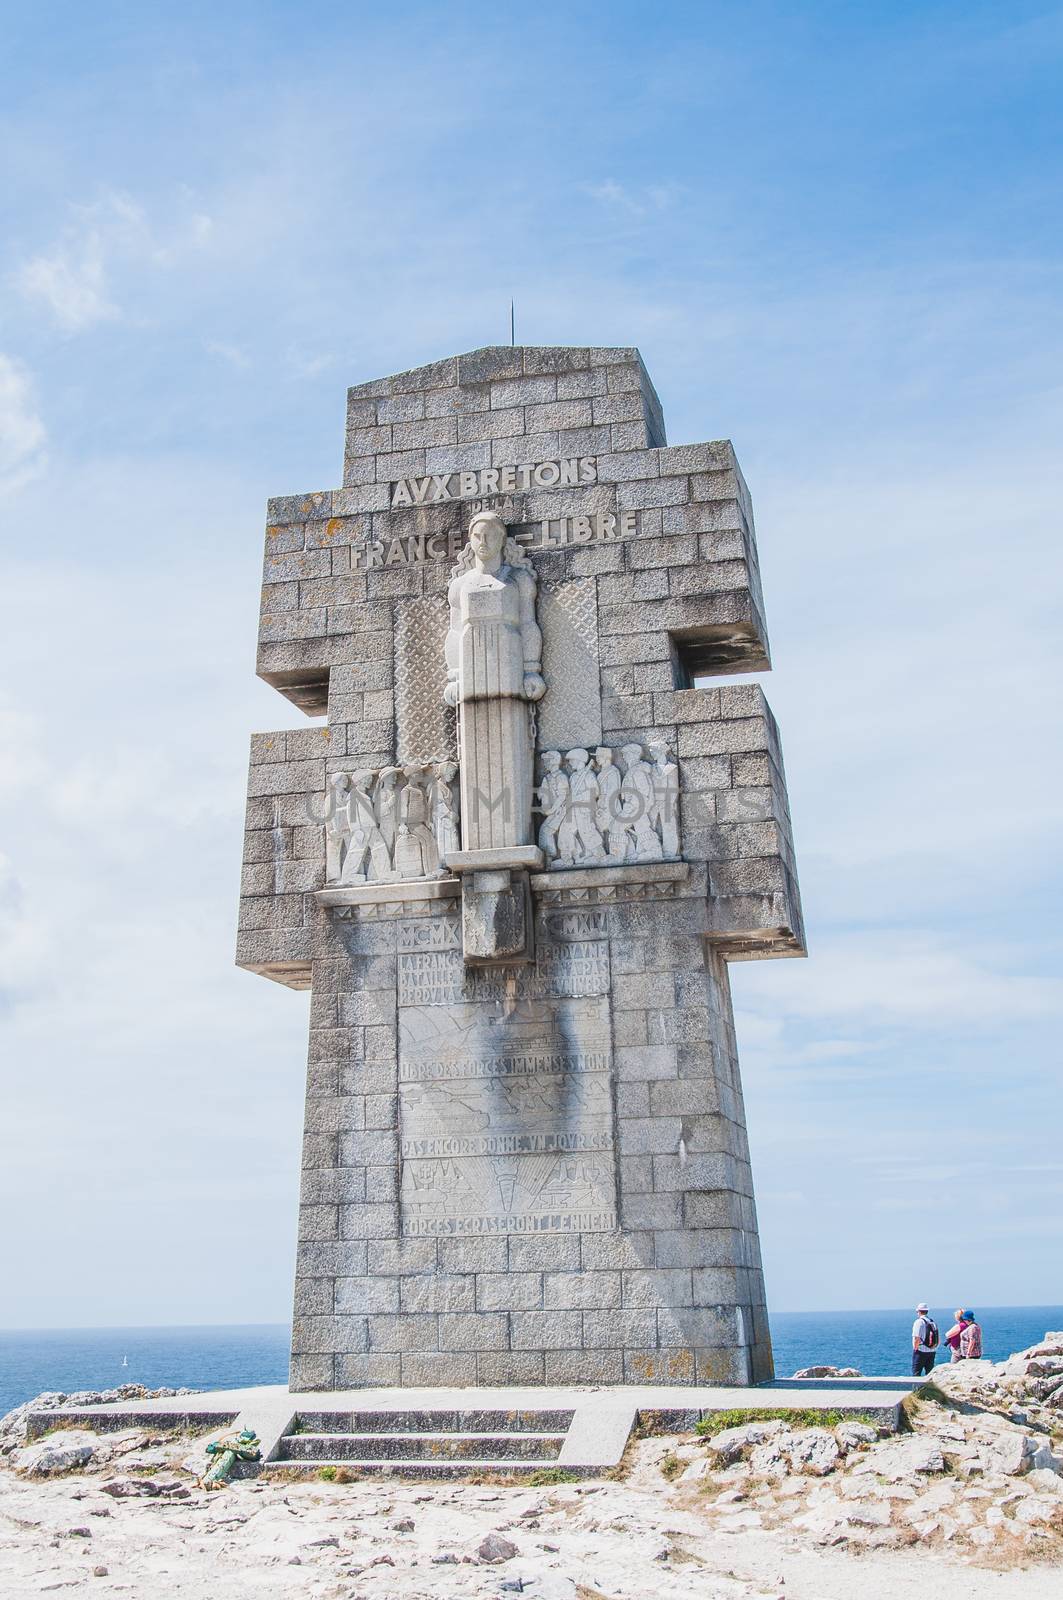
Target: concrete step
{"x": 406, "y": 1446}
{"x": 483, "y": 1421}
{"x": 374, "y": 1466}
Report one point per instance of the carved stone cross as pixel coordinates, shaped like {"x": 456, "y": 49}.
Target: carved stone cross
{"x": 513, "y": 865}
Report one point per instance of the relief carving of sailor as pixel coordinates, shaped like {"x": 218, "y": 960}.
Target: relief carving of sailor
{"x": 494, "y": 660}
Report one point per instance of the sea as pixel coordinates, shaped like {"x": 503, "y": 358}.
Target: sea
{"x": 878, "y": 1343}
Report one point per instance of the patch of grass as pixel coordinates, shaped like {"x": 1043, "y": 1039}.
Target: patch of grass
{"x": 671, "y": 1466}
{"x": 327, "y": 1474}
{"x": 798, "y": 1418}
{"x": 926, "y": 1394}
{"x": 543, "y": 1477}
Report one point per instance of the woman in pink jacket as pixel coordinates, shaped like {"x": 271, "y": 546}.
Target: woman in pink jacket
{"x": 955, "y": 1334}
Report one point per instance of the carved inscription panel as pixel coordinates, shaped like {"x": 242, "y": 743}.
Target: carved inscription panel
{"x": 505, "y": 1097}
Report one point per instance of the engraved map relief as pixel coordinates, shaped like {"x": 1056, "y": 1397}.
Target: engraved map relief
{"x": 572, "y": 713}
{"x": 505, "y": 1097}
{"x": 425, "y": 727}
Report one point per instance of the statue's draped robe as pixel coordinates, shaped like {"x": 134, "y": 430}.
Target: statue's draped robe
{"x": 495, "y": 719}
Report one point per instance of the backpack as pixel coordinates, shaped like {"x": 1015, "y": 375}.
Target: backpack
{"x": 971, "y": 1342}
{"x": 931, "y": 1337}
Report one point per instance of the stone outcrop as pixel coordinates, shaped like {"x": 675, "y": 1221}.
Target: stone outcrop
{"x": 981, "y": 1467}
{"x": 13, "y": 1426}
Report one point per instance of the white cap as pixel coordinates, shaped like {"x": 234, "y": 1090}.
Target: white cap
{"x": 922, "y": 1307}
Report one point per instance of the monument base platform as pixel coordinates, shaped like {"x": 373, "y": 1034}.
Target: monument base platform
{"x": 458, "y": 1432}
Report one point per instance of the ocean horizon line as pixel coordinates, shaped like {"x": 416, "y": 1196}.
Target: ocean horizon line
{"x": 191, "y": 1327}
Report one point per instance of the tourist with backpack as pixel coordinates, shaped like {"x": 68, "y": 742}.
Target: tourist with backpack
{"x": 925, "y": 1341}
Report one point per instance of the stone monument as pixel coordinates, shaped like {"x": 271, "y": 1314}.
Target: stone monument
{"x": 511, "y": 867}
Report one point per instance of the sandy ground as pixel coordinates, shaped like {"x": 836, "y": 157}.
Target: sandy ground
{"x": 639, "y": 1537}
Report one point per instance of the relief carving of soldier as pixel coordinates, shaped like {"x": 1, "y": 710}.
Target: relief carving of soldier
{"x": 666, "y": 791}
{"x": 580, "y": 838}
{"x": 610, "y": 814}
{"x": 553, "y": 804}
{"x": 640, "y": 802}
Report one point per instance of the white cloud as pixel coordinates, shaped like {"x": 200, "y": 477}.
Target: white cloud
{"x": 102, "y": 242}
{"x": 70, "y": 282}
{"x": 232, "y": 354}
{"x": 310, "y": 366}
{"x": 645, "y": 200}
{"x": 22, "y": 433}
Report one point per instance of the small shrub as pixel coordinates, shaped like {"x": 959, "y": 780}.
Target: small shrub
{"x": 327, "y": 1474}
{"x": 671, "y": 1466}
{"x": 926, "y": 1394}
{"x": 543, "y": 1477}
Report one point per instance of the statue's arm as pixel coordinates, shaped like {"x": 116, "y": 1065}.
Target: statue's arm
{"x": 452, "y": 648}
{"x": 531, "y": 637}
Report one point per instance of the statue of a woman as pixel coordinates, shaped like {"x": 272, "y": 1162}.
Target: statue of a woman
{"x": 494, "y": 658}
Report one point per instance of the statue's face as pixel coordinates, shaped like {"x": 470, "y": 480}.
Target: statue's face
{"x": 487, "y": 536}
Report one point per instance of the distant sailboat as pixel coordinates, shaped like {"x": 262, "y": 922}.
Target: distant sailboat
{"x": 125, "y": 1361}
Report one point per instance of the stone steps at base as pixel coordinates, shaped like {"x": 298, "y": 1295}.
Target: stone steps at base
{"x": 420, "y": 1446}
{"x": 429, "y": 1421}
{"x": 379, "y": 1466}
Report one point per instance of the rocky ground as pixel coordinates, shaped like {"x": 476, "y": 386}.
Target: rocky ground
{"x": 765, "y": 1508}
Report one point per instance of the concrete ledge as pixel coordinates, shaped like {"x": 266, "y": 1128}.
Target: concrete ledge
{"x": 112, "y": 1419}
{"x": 600, "y": 1425}
{"x": 374, "y": 894}
{"x": 611, "y": 877}
{"x": 500, "y": 860}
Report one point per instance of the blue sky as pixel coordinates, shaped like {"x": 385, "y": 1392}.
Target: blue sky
{"x": 834, "y": 232}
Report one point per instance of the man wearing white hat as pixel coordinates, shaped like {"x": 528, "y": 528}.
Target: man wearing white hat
{"x": 925, "y": 1341}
